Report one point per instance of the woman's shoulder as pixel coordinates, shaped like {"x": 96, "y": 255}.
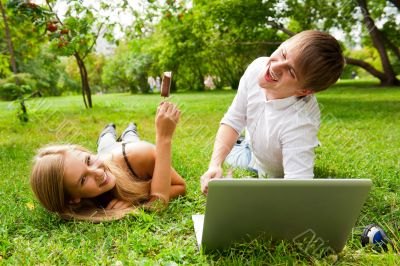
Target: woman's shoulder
{"x": 137, "y": 150}
{"x": 140, "y": 156}
{"x": 139, "y": 147}
{"x": 132, "y": 147}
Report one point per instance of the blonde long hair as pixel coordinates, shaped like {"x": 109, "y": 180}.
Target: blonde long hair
{"x": 47, "y": 184}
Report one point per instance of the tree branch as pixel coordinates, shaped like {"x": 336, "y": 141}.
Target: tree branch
{"x": 9, "y": 40}
{"x": 280, "y": 27}
{"x": 257, "y": 43}
{"x": 55, "y": 13}
{"x": 94, "y": 42}
{"x": 9, "y": 44}
{"x": 368, "y": 67}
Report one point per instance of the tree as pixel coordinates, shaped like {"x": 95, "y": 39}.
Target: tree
{"x": 233, "y": 33}
{"x": 30, "y": 51}
{"x": 9, "y": 41}
{"x": 169, "y": 43}
{"x": 388, "y": 77}
{"x": 75, "y": 35}
{"x": 218, "y": 38}
{"x": 115, "y": 74}
{"x": 129, "y": 68}
{"x": 24, "y": 116}
{"x": 46, "y": 69}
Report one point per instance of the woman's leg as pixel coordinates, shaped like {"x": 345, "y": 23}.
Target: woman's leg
{"x": 130, "y": 134}
{"x": 107, "y": 138}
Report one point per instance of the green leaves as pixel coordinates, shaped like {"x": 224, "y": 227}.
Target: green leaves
{"x": 10, "y": 90}
{"x": 218, "y": 38}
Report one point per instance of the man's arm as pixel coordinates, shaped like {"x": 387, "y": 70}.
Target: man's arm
{"x": 224, "y": 141}
{"x": 232, "y": 124}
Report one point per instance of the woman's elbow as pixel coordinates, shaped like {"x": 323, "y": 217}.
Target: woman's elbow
{"x": 182, "y": 189}
{"x": 178, "y": 190}
{"x": 158, "y": 201}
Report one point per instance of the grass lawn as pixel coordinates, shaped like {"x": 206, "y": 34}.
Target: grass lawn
{"x": 360, "y": 135}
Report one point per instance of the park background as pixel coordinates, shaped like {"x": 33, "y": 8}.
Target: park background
{"x": 67, "y": 68}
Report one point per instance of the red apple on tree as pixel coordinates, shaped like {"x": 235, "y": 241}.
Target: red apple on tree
{"x": 64, "y": 31}
{"x": 32, "y": 5}
{"x": 51, "y": 27}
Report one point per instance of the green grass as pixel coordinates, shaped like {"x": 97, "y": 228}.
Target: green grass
{"x": 360, "y": 134}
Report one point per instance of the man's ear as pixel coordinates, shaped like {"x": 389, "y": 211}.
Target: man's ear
{"x": 74, "y": 201}
{"x": 304, "y": 92}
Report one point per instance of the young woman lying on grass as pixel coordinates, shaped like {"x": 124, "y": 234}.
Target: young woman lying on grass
{"x": 73, "y": 182}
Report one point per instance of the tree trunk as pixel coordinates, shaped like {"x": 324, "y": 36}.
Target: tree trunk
{"x": 81, "y": 73}
{"x": 86, "y": 85}
{"x": 86, "y": 93}
{"x": 391, "y": 46}
{"x": 24, "y": 116}
{"x": 9, "y": 42}
{"x": 373, "y": 71}
{"x": 280, "y": 27}
{"x": 389, "y": 75}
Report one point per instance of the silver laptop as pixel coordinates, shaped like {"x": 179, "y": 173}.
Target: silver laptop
{"x": 322, "y": 211}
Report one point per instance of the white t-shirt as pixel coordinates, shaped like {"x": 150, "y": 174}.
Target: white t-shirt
{"x": 282, "y": 132}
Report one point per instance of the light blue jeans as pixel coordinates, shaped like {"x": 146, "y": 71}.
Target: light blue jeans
{"x": 240, "y": 156}
{"x": 108, "y": 141}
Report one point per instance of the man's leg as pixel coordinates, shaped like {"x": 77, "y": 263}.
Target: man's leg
{"x": 240, "y": 156}
{"x": 130, "y": 134}
{"x": 107, "y": 138}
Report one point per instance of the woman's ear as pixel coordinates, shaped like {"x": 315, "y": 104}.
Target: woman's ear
{"x": 74, "y": 201}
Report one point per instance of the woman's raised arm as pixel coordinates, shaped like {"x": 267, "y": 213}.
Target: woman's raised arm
{"x": 167, "y": 118}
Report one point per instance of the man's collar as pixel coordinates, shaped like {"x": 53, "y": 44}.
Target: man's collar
{"x": 282, "y": 103}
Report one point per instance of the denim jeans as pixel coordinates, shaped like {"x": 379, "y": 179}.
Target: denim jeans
{"x": 108, "y": 141}
{"x": 240, "y": 156}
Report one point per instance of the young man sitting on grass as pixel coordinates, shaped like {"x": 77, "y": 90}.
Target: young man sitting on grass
{"x": 275, "y": 102}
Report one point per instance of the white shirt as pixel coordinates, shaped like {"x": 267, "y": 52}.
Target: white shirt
{"x": 282, "y": 132}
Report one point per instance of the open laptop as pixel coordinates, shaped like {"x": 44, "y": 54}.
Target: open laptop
{"x": 323, "y": 211}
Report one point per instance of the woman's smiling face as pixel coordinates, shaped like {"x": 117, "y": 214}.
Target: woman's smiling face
{"x": 85, "y": 175}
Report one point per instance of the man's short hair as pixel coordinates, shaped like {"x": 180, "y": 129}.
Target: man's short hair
{"x": 320, "y": 59}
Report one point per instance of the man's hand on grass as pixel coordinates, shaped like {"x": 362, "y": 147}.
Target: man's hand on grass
{"x": 212, "y": 172}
